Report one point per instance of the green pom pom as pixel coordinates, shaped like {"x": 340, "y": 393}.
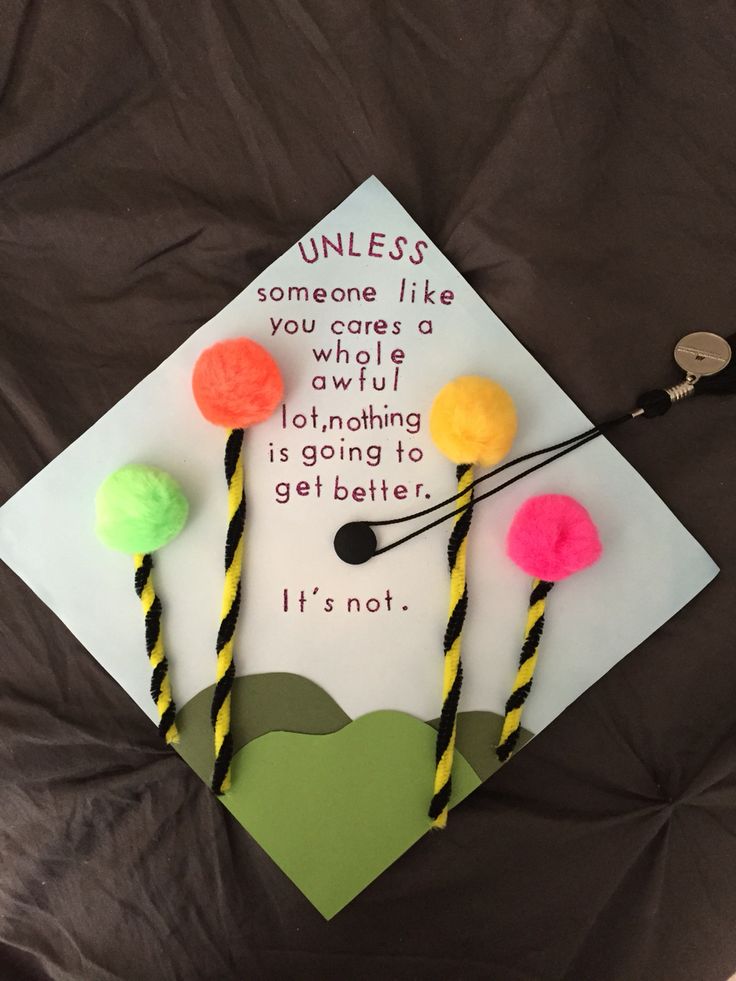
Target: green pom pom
{"x": 139, "y": 509}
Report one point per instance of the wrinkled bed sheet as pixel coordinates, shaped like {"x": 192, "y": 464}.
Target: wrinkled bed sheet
{"x": 577, "y": 162}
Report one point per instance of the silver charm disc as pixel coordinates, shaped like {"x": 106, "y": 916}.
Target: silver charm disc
{"x": 702, "y": 354}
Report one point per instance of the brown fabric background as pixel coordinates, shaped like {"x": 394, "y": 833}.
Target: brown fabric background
{"x": 577, "y": 162}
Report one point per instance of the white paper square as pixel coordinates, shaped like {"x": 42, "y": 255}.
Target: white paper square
{"x": 651, "y": 565}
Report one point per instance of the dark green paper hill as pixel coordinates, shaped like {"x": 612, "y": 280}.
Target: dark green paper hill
{"x": 283, "y": 702}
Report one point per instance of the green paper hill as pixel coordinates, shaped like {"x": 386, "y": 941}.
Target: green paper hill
{"x": 285, "y": 702}
{"x": 333, "y": 811}
{"x": 477, "y": 738}
{"x": 334, "y": 802}
{"x": 261, "y": 703}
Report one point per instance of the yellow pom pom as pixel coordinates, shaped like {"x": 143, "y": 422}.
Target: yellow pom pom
{"x": 473, "y": 420}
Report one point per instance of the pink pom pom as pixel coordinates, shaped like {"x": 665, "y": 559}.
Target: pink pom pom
{"x": 236, "y": 383}
{"x": 553, "y": 536}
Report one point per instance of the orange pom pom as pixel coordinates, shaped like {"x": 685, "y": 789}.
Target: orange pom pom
{"x": 236, "y": 383}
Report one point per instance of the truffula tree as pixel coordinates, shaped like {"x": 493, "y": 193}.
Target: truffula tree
{"x": 473, "y": 422}
{"x": 236, "y": 384}
{"x": 139, "y": 510}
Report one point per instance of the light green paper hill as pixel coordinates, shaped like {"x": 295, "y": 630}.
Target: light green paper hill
{"x": 333, "y": 811}
{"x": 332, "y": 801}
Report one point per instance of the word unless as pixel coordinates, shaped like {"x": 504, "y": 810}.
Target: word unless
{"x": 350, "y": 243}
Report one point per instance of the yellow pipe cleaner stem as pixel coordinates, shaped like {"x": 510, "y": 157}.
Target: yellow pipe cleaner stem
{"x": 225, "y": 673}
{"x": 453, "y": 672}
{"x": 525, "y": 673}
{"x": 160, "y": 683}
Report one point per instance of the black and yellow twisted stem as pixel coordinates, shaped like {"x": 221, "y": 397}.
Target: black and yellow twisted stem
{"x": 525, "y": 673}
{"x": 160, "y": 682}
{"x": 220, "y": 711}
{"x": 453, "y": 669}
